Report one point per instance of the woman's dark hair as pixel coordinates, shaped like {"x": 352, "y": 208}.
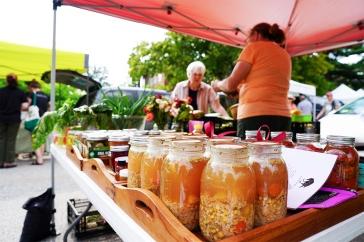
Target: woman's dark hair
{"x": 270, "y": 32}
{"x": 12, "y": 80}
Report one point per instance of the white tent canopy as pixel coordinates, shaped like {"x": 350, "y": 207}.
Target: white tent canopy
{"x": 360, "y": 92}
{"x": 345, "y": 93}
{"x": 295, "y": 88}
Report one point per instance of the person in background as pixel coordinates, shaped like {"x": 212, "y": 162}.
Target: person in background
{"x": 12, "y": 101}
{"x": 42, "y": 102}
{"x": 264, "y": 69}
{"x": 201, "y": 94}
{"x": 330, "y": 105}
{"x": 291, "y": 103}
{"x": 305, "y": 106}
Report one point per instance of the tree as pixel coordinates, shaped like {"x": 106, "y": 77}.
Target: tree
{"x": 172, "y": 56}
{"x": 311, "y": 69}
{"x": 99, "y": 74}
{"x": 350, "y": 74}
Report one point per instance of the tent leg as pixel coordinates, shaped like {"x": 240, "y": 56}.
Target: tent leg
{"x": 56, "y": 3}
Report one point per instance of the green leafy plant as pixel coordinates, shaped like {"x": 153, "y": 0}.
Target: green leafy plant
{"x": 44, "y": 128}
{"x": 124, "y": 105}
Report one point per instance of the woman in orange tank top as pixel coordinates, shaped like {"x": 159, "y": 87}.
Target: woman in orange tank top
{"x": 263, "y": 71}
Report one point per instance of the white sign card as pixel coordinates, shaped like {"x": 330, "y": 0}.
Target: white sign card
{"x": 307, "y": 173}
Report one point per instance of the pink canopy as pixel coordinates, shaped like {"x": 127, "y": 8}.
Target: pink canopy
{"x": 310, "y": 25}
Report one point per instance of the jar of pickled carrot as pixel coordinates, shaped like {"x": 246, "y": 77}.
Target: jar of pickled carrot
{"x": 227, "y": 193}
{"x": 180, "y": 180}
{"x": 287, "y": 142}
{"x": 346, "y": 170}
{"x": 138, "y": 147}
{"x": 309, "y": 142}
{"x": 271, "y": 182}
{"x": 156, "y": 151}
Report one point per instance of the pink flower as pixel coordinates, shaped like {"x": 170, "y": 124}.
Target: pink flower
{"x": 149, "y": 117}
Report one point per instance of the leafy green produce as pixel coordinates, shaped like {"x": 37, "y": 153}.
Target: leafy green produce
{"x": 45, "y": 127}
{"x": 84, "y": 116}
{"x": 66, "y": 117}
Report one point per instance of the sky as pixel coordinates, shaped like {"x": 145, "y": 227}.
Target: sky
{"x": 108, "y": 41}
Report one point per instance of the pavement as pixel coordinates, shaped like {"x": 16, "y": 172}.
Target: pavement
{"x": 19, "y": 184}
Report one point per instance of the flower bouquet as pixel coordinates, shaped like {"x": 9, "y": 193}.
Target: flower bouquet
{"x": 157, "y": 110}
{"x": 182, "y": 112}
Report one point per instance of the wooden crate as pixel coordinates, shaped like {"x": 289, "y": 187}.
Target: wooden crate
{"x": 152, "y": 215}
{"x": 75, "y": 155}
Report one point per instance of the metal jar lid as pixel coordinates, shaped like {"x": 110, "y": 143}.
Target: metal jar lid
{"x": 119, "y": 138}
{"x": 96, "y": 137}
{"x": 251, "y": 133}
{"x": 308, "y": 137}
{"x": 119, "y": 148}
{"x": 343, "y": 140}
{"x": 289, "y": 135}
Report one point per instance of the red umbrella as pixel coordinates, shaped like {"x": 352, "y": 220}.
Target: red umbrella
{"x": 310, "y": 25}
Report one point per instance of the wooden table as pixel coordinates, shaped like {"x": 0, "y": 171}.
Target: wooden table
{"x": 128, "y": 230}
{"x": 123, "y": 225}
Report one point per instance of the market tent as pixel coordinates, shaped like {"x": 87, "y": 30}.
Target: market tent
{"x": 310, "y": 25}
{"x": 345, "y": 93}
{"x": 360, "y": 92}
{"x": 295, "y": 88}
{"x": 31, "y": 62}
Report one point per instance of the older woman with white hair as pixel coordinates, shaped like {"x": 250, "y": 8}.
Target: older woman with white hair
{"x": 201, "y": 94}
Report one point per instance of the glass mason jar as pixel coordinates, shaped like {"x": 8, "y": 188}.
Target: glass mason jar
{"x": 227, "y": 193}
{"x": 251, "y": 135}
{"x": 180, "y": 180}
{"x": 156, "y": 152}
{"x": 212, "y": 142}
{"x": 98, "y": 147}
{"x": 346, "y": 170}
{"x": 119, "y": 157}
{"x": 271, "y": 182}
{"x": 138, "y": 147}
{"x": 287, "y": 142}
{"x": 309, "y": 142}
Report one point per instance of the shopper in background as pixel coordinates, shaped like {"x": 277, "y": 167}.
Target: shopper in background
{"x": 201, "y": 94}
{"x": 330, "y": 105}
{"x": 264, "y": 67}
{"x": 305, "y": 106}
{"x": 12, "y": 101}
{"x": 42, "y": 102}
{"x": 291, "y": 103}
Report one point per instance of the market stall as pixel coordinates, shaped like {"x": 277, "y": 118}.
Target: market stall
{"x": 304, "y": 35}
{"x": 144, "y": 214}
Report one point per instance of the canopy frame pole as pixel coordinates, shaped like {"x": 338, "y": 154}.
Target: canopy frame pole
{"x": 56, "y": 3}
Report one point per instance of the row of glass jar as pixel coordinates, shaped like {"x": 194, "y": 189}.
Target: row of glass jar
{"x": 226, "y": 194}
{"x": 346, "y": 170}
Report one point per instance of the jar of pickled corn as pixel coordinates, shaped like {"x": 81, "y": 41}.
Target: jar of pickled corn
{"x": 138, "y": 147}
{"x": 227, "y": 193}
{"x": 309, "y": 142}
{"x": 271, "y": 182}
{"x": 156, "y": 151}
{"x": 180, "y": 180}
{"x": 346, "y": 170}
{"x": 212, "y": 142}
